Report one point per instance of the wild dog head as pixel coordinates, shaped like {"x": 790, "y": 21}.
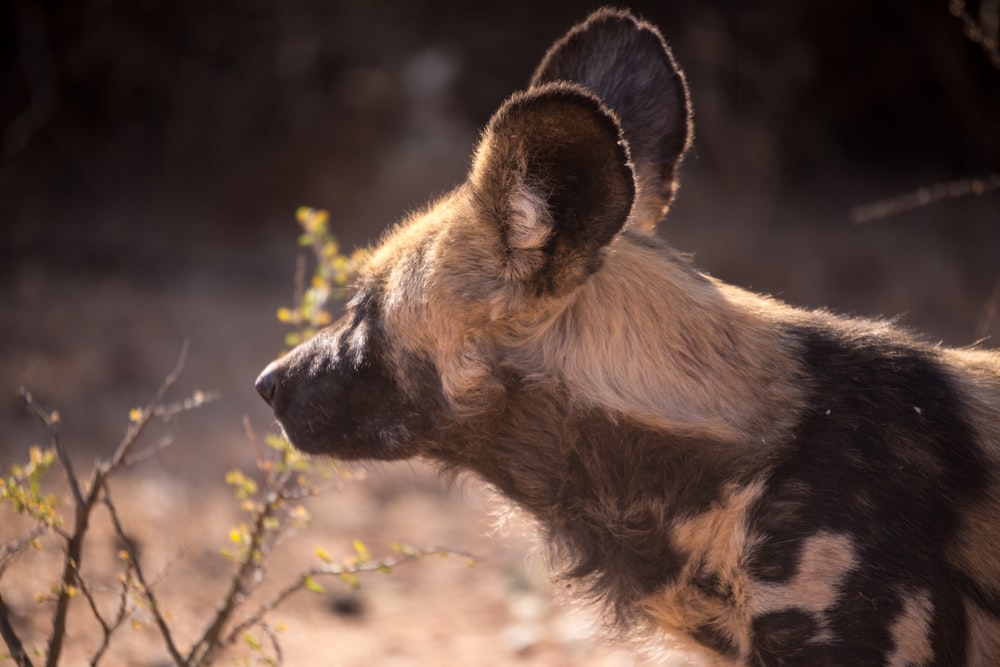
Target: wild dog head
{"x": 460, "y": 301}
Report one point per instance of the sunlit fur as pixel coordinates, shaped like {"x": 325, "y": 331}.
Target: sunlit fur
{"x": 754, "y": 483}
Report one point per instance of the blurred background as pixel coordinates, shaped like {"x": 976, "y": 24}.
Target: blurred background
{"x": 152, "y": 156}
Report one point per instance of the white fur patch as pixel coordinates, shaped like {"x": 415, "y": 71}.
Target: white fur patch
{"x": 529, "y": 223}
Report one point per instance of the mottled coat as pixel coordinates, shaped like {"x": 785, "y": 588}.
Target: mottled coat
{"x": 762, "y": 484}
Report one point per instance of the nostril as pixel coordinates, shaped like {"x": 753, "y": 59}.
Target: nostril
{"x": 266, "y": 383}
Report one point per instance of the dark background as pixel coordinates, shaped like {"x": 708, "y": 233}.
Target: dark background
{"x": 153, "y": 153}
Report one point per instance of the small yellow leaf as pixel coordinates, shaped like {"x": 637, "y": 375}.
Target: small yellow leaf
{"x": 323, "y": 555}
{"x": 284, "y": 315}
{"x": 363, "y": 554}
{"x": 135, "y": 414}
{"x": 311, "y": 585}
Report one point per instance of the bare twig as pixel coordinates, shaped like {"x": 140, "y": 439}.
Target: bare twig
{"x": 149, "y": 452}
{"x": 74, "y": 546}
{"x": 84, "y": 502}
{"x": 302, "y": 582}
{"x": 986, "y": 31}
{"x": 108, "y": 628}
{"x": 121, "y": 613}
{"x": 887, "y": 208}
{"x": 135, "y": 429}
{"x": 10, "y": 636}
{"x": 9, "y": 552}
{"x": 208, "y": 646}
{"x": 279, "y": 657}
{"x": 146, "y": 589}
{"x": 51, "y": 421}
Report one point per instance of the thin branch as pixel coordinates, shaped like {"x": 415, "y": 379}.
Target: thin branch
{"x": 149, "y": 452}
{"x": 894, "y": 206}
{"x": 153, "y": 409}
{"x": 106, "y": 629}
{"x": 92, "y": 602}
{"x": 385, "y": 565}
{"x": 209, "y": 645}
{"x": 9, "y": 552}
{"x": 17, "y": 651}
{"x": 120, "y": 615}
{"x": 147, "y": 590}
{"x": 74, "y": 546}
{"x": 273, "y": 636}
{"x": 983, "y": 32}
{"x": 84, "y": 504}
{"x": 51, "y": 421}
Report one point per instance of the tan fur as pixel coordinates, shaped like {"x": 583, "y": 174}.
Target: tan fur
{"x": 984, "y": 637}
{"x": 712, "y": 362}
{"x": 911, "y": 633}
{"x": 706, "y": 363}
{"x": 977, "y": 549}
{"x": 718, "y": 543}
{"x": 826, "y": 560}
{"x": 711, "y": 358}
{"x": 671, "y": 433}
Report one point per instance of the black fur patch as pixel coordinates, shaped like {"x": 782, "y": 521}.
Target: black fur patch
{"x": 627, "y": 64}
{"x": 792, "y": 638}
{"x": 561, "y": 143}
{"x": 605, "y": 489}
{"x": 885, "y": 456}
{"x": 710, "y": 637}
{"x": 338, "y": 395}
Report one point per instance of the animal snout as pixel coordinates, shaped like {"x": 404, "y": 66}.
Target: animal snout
{"x": 267, "y": 383}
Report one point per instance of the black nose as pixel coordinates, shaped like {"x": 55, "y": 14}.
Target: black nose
{"x": 266, "y": 383}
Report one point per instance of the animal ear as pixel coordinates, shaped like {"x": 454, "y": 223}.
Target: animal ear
{"x": 626, "y": 63}
{"x": 552, "y": 171}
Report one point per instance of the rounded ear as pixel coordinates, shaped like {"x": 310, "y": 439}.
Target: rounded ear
{"x": 627, "y": 65}
{"x": 552, "y": 171}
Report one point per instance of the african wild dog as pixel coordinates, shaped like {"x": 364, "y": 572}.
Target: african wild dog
{"x": 767, "y": 485}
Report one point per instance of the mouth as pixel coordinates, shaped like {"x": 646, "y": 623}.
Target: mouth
{"x": 314, "y": 424}
{"x": 364, "y": 442}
